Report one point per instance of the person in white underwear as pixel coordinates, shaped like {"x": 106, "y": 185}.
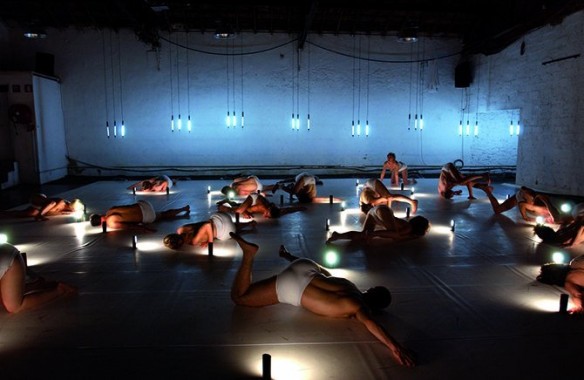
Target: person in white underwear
{"x": 395, "y": 168}
{"x": 450, "y": 177}
{"x": 13, "y": 289}
{"x": 219, "y": 226}
{"x": 380, "y": 222}
{"x": 530, "y": 203}
{"x": 136, "y": 215}
{"x": 308, "y": 285}
{"x": 570, "y": 276}
{"x": 154, "y": 184}
{"x": 375, "y": 193}
{"x": 257, "y": 204}
{"x": 243, "y": 186}
{"x": 303, "y": 186}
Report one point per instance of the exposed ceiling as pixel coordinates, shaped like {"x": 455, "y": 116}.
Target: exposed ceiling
{"x": 485, "y": 26}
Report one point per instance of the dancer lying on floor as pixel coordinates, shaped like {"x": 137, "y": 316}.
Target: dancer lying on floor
{"x": 375, "y": 193}
{"x": 136, "y": 215}
{"x": 154, "y": 184}
{"x": 569, "y": 234}
{"x": 570, "y": 276}
{"x": 381, "y": 223}
{"x": 247, "y": 185}
{"x": 14, "y": 293}
{"x": 219, "y": 226}
{"x": 530, "y": 203}
{"x": 306, "y": 284}
{"x": 257, "y": 204}
{"x": 303, "y": 186}
{"x": 42, "y": 206}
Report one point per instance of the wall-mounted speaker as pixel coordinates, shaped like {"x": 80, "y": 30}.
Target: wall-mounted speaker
{"x": 463, "y": 75}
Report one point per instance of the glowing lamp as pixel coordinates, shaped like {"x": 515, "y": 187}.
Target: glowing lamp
{"x": 558, "y": 257}
{"x": 407, "y": 212}
{"x": 210, "y": 248}
{"x": 331, "y": 258}
{"x": 566, "y": 207}
{"x": 208, "y": 189}
{"x": 328, "y": 224}
{"x": 3, "y": 238}
{"x": 412, "y": 192}
{"x": 564, "y": 303}
{"x": 134, "y": 241}
{"x": 452, "y": 225}
{"x": 539, "y": 220}
{"x": 231, "y": 194}
{"x": 343, "y": 205}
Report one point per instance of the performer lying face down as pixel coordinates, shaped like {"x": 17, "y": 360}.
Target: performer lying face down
{"x": 136, "y": 215}
{"x": 256, "y": 204}
{"x": 306, "y": 284}
{"x": 570, "y": 276}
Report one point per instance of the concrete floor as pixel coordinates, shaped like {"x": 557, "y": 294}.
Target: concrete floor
{"x": 466, "y": 303}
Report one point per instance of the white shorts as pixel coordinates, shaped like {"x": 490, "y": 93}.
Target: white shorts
{"x": 223, "y": 225}
{"x": 148, "y": 212}
{"x": 8, "y": 253}
{"x": 292, "y": 281}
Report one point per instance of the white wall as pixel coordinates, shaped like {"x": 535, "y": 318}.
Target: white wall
{"x": 550, "y": 99}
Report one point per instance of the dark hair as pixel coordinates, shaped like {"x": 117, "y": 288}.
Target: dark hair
{"x": 304, "y": 197}
{"x": 448, "y": 194}
{"x": 95, "y": 220}
{"x": 391, "y": 154}
{"x": 275, "y": 211}
{"x": 419, "y": 225}
{"x": 173, "y": 241}
{"x": 553, "y": 274}
{"x": 146, "y": 185}
{"x": 365, "y": 207}
{"x": 226, "y": 189}
{"x": 377, "y": 298}
{"x": 546, "y": 234}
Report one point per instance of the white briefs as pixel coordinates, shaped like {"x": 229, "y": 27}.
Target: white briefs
{"x": 292, "y": 281}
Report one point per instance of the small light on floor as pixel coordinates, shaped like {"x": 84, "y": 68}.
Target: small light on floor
{"x": 210, "y": 248}
{"x": 564, "y": 303}
{"x": 412, "y": 192}
{"x": 134, "y": 241}
{"x": 343, "y": 205}
{"x": 452, "y": 225}
{"x": 208, "y": 189}
{"x": 558, "y": 257}
{"x": 539, "y": 220}
{"x": 566, "y": 207}
{"x": 3, "y": 238}
{"x": 104, "y": 227}
{"x": 407, "y": 212}
{"x": 331, "y": 199}
{"x": 402, "y": 186}
{"x": 331, "y": 258}
{"x": 328, "y": 224}
{"x": 266, "y": 367}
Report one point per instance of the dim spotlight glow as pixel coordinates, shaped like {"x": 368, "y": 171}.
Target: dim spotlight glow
{"x": 558, "y": 257}
{"x": 80, "y": 230}
{"x": 548, "y": 305}
{"x": 440, "y": 230}
{"x": 218, "y": 251}
{"x": 566, "y": 207}
{"x": 283, "y": 369}
{"x": 149, "y": 245}
{"x": 331, "y": 258}
{"x": 539, "y": 220}
{"x": 3, "y": 238}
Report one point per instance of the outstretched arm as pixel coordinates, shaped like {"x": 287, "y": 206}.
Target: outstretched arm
{"x": 400, "y": 353}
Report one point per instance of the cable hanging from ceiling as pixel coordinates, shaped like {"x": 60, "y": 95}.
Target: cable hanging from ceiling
{"x": 189, "y": 122}
{"x": 308, "y": 89}
{"x": 476, "y": 126}
{"x": 115, "y": 126}
{"x": 105, "y": 89}
{"x": 354, "y": 79}
{"x": 171, "y": 85}
{"x": 179, "y": 119}
{"x": 242, "y": 76}
{"x": 295, "y": 122}
{"x": 123, "y": 126}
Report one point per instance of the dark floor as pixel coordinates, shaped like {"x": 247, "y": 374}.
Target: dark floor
{"x": 465, "y": 302}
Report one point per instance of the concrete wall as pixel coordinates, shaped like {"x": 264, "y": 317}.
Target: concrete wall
{"x": 105, "y": 75}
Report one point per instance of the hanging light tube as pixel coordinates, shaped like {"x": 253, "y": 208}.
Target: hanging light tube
{"x": 421, "y": 122}
{"x": 115, "y": 129}
{"x": 308, "y": 122}
{"x": 460, "y": 128}
{"x": 189, "y": 124}
{"x": 353, "y": 128}
{"x": 172, "y": 123}
{"x": 358, "y": 127}
{"x": 467, "y": 127}
{"x": 297, "y": 122}
{"x": 476, "y": 128}
{"x": 107, "y": 129}
{"x": 511, "y": 128}
{"x": 233, "y": 119}
{"x": 293, "y": 122}
{"x": 416, "y": 122}
{"x": 517, "y": 128}
{"x": 179, "y": 123}
{"x": 123, "y": 129}
{"x": 367, "y": 128}
{"x": 228, "y": 120}
{"x": 409, "y": 121}
{"x": 242, "y": 119}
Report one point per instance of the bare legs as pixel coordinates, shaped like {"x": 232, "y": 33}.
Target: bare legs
{"x": 244, "y": 291}
{"x": 173, "y": 213}
{"x": 498, "y": 208}
{"x": 12, "y": 287}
